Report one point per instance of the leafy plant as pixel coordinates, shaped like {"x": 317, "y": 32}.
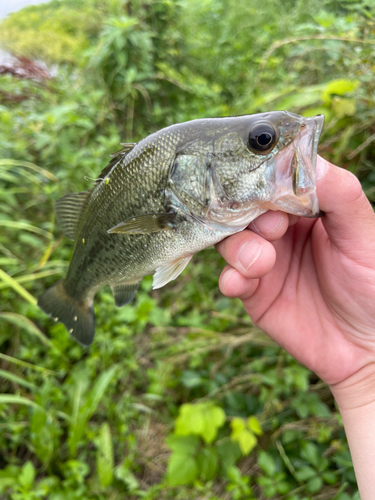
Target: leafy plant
{"x": 248, "y": 420}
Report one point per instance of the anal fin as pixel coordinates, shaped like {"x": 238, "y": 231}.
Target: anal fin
{"x": 124, "y": 292}
{"x": 168, "y": 272}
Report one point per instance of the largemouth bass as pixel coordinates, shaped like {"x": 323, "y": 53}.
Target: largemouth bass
{"x": 176, "y": 192}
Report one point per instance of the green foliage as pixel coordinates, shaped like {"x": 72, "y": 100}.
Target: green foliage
{"x": 244, "y": 433}
{"x": 57, "y": 32}
{"x": 248, "y": 420}
{"x": 104, "y": 459}
{"x": 202, "y": 419}
{"x": 191, "y": 458}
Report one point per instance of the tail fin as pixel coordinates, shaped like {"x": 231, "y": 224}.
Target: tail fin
{"x": 77, "y": 315}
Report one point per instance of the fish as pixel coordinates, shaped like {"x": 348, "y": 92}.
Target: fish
{"x": 174, "y": 193}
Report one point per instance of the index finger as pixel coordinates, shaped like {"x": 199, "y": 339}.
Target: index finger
{"x": 349, "y": 218}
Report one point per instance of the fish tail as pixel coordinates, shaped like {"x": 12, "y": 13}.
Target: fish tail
{"x": 77, "y": 315}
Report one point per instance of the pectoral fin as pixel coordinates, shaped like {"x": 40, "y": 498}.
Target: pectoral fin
{"x": 124, "y": 292}
{"x": 145, "y": 224}
{"x": 168, "y": 272}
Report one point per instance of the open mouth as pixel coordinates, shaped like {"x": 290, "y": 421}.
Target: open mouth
{"x": 296, "y": 181}
{"x": 306, "y": 150}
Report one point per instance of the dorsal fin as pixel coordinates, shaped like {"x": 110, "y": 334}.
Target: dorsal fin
{"x": 69, "y": 210}
{"x": 126, "y": 148}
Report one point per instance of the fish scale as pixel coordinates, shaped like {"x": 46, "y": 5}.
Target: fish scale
{"x": 173, "y": 194}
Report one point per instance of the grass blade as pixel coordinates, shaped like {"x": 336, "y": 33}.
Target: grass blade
{"x": 31, "y": 166}
{"x": 28, "y": 227}
{"x": 32, "y": 277}
{"x": 18, "y": 380}
{"x": 17, "y": 287}
{"x": 24, "y": 364}
{"x": 28, "y": 325}
{"x": 18, "y": 400}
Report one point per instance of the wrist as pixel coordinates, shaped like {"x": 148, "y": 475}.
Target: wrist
{"x": 355, "y": 397}
{"x": 356, "y": 391}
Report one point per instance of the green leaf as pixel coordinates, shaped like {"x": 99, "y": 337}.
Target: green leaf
{"x": 19, "y": 362}
{"x": 310, "y": 452}
{"x": 104, "y": 456}
{"x": 191, "y": 379}
{"x": 17, "y": 380}
{"x": 305, "y": 473}
{"x": 329, "y": 477}
{"x": 238, "y": 425}
{"x": 214, "y": 419}
{"x": 267, "y": 463}
{"x": 17, "y": 287}
{"x": 182, "y": 469}
{"x": 314, "y": 484}
{"x": 29, "y": 326}
{"x": 343, "y": 107}
{"x": 190, "y": 421}
{"x": 31, "y": 166}
{"x": 27, "y": 476}
{"x": 229, "y": 453}
{"x": 247, "y": 441}
{"x": 245, "y": 438}
{"x": 202, "y": 419}
{"x": 184, "y": 445}
{"x": 42, "y": 437}
{"x": 13, "y": 224}
{"x": 124, "y": 474}
{"x": 84, "y": 406}
{"x": 207, "y": 461}
{"x": 255, "y": 426}
{"x": 18, "y": 400}
{"x": 339, "y": 87}
{"x": 99, "y": 389}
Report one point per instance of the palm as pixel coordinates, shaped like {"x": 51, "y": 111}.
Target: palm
{"x": 316, "y": 302}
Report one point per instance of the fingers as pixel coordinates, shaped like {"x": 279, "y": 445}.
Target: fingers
{"x": 249, "y": 253}
{"x": 293, "y": 219}
{"x": 349, "y": 219}
{"x": 270, "y": 225}
{"x": 233, "y": 284}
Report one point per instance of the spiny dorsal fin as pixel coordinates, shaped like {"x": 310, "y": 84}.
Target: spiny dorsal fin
{"x": 126, "y": 148}
{"x": 69, "y": 210}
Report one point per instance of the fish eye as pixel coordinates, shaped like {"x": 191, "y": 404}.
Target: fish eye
{"x": 262, "y": 138}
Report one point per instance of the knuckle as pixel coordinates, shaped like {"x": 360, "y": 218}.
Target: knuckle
{"x": 352, "y": 185}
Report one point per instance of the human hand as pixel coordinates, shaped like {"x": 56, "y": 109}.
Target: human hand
{"x": 310, "y": 283}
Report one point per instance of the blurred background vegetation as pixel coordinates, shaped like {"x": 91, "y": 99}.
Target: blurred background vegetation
{"x": 180, "y": 396}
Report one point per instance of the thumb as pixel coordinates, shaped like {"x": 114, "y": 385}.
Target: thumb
{"x": 349, "y": 218}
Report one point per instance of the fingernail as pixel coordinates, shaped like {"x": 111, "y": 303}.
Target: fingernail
{"x": 270, "y": 224}
{"x": 249, "y": 253}
{"x": 321, "y": 168}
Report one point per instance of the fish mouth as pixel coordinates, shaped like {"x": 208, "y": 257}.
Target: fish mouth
{"x": 295, "y": 171}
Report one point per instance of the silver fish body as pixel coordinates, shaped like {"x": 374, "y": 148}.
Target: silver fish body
{"x": 173, "y": 194}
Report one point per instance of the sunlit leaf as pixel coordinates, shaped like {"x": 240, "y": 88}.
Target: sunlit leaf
{"x": 104, "y": 457}
{"x": 17, "y": 287}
